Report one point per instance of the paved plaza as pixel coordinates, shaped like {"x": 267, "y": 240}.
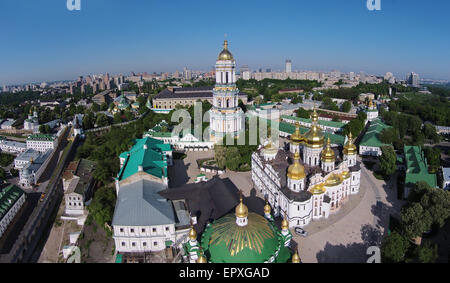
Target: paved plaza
{"x": 343, "y": 237}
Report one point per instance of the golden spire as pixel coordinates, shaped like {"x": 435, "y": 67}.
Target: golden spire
{"x": 225, "y": 54}
{"x": 328, "y": 154}
{"x": 284, "y": 223}
{"x": 267, "y": 208}
{"x": 296, "y": 137}
{"x": 296, "y": 171}
{"x": 201, "y": 258}
{"x": 192, "y": 233}
{"x": 314, "y": 116}
{"x": 241, "y": 208}
{"x": 349, "y": 147}
{"x": 314, "y": 137}
{"x": 295, "y": 257}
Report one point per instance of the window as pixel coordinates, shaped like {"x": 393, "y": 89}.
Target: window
{"x": 133, "y": 244}
{"x": 144, "y": 244}
{"x": 167, "y": 228}
{"x": 123, "y": 244}
{"x": 132, "y": 230}
{"x": 154, "y": 230}
{"x": 155, "y": 243}
{"x": 143, "y": 230}
{"x": 121, "y": 230}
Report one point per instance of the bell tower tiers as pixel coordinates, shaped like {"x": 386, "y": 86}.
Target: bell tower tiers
{"x": 225, "y": 115}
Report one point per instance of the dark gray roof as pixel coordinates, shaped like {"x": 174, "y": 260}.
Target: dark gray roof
{"x": 356, "y": 167}
{"x": 139, "y": 204}
{"x": 299, "y": 197}
{"x": 191, "y": 92}
{"x": 206, "y": 200}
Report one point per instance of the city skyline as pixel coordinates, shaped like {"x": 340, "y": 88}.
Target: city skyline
{"x": 124, "y": 37}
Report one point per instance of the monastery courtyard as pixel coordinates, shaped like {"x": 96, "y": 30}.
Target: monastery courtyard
{"x": 344, "y": 236}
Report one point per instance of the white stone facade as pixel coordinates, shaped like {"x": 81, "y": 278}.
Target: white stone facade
{"x": 310, "y": 198}
{"x": 225, "y": 116}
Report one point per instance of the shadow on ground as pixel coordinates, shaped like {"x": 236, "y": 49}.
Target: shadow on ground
{"x": 351, "y": 253}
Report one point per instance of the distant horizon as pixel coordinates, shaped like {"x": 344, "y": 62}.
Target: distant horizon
{"x": 47, "y": 43}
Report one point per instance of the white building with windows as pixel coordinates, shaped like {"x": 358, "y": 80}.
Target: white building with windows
{"x": 12, "y": 146}
{"x": 12, "y": 199}
{"x": 372, "y": 111}
{"x": 32, "y": 123}
{"x": 310, "y": 180}
{"x": 226, "y": 117}
{"x": 41, "y": 142}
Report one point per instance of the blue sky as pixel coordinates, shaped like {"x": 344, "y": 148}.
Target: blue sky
{"x": 43, "y": 41}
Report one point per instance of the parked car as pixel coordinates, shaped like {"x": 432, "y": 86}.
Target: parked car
{"x": 301, "y": 232}
{"x": 42, "y": 197}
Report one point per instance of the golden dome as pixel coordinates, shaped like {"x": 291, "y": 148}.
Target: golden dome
{"x": 202, "y": 259}
{"x": 349, "y": 147}
{"x": 225, "y": 54}
{"x": 270, "y": 148}
{"x": 314, "y": 115}
{"x": 314, "y": 137}
{"x": 267, "y": 208}
{"x": 317, "y": 189}
{"x": 296, "y": 137}
{"x": 284, "y": 224}
{"x": 192, "y": 234}
{"x": 371, "y": 104}
{"x": 241, "y": 209}
{"x": 328, "y": 154}
{"x": 345, "y": 174}
{"x": 333, "y": 180}
{"x": 296, "y": 171}
{"x": 295, "y": 258}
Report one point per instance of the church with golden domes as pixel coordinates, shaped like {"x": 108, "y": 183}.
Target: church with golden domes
{"x": 308, "y": 179}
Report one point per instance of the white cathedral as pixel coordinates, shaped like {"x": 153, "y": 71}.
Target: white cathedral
{"x": 226, "y": 117}
{"x": 310, "y": 188}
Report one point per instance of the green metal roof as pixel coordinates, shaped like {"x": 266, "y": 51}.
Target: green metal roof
{"x": 8, "y": 197}
{"x": 332, "y": 124}
{"x": 152, "y": 159}
{"x": 290, "y": 129}
{"x": 371, "y": 137}
{"x": 417, "y": 167}
{"x": 259, "y": 240}
{"x": 41, "y": 137}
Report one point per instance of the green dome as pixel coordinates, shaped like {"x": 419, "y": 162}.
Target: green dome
{"x": 259, "y": 241}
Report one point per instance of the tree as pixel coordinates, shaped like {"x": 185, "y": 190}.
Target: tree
{"x": 95, "y": 107}
{"x": 219, "y": 156}
{"x": 233, "y": 158}
{"x": 2, "y": 174}
{"x": 415, "y": 220}
{"x": 45, "y": 129}
{"x": 101, "y": 208}
{"x": 389, "y": 135}
{"x": 88, "y": 120}
{"x": 102, "y": 120}
{"x": 433, "y": 155}
{"x": 426, "y": 253}
{"x": 393, "y": 248}
{"x": 430, "y": 132}
{"x": 302, "y": 113}
{"x": 388, "y": 160}
{"x": 346, "y": 106}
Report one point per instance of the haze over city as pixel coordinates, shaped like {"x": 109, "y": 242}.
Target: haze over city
{"x": 47, "y": 42}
